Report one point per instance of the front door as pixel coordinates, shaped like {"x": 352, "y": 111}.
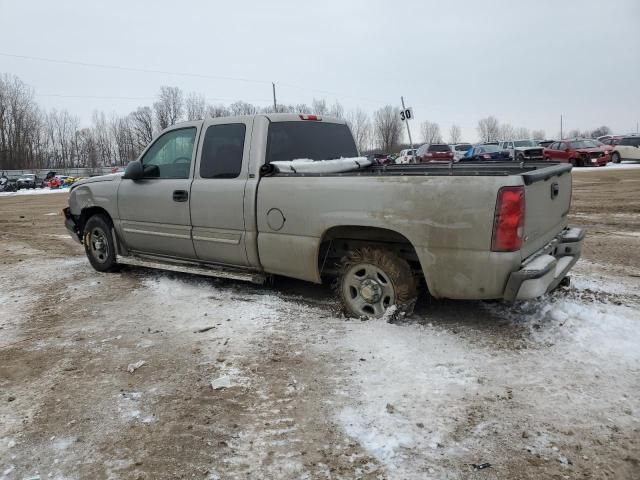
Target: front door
{"x": 154, "y": 211}
{"x": 217, "y": 193}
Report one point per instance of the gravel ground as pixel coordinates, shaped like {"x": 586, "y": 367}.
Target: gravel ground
{"x": 543, "y": 389}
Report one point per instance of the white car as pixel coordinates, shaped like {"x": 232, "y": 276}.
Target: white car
{"x": 627, "y": 149}
{"x": 460, "y": 149}
{"x": 521, "y": 150}
{"x": 406, "y": 156}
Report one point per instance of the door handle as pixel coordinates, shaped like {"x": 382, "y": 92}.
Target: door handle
{"x": 180, "y": 195}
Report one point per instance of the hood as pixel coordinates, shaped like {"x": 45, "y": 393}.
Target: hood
{"x": 524, "y": 149}
{"x": 101, "y": 178}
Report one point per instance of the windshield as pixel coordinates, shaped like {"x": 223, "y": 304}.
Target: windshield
{"x": 463, "y": 148}
{"x": 525, "y": 143}
{"x": 584, "y": 144}
{"x": 314, "y": 140}
{"x": 488, "y": 149}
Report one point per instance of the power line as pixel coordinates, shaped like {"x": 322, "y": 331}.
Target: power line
{"x": 183, "y": 74}
{"x": 131, "y": 69}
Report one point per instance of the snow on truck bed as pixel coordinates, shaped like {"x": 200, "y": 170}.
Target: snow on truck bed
{"x": 307, "y": 165}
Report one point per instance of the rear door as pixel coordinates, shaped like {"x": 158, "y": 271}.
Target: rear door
{"x": 629, "y": 148}
{"x": 218, "y": 190}
{"x": 154, "y": 211}
{"x": 547, "y": 204}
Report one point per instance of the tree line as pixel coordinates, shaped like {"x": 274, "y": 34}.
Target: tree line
{"x": 34, "y": 138}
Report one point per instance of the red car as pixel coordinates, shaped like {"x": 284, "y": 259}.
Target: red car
{"x": 435, "y": 152}
{"x": 578, "y": 152}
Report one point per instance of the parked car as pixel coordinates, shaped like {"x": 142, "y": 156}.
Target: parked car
{"x": 459, "y": 150}
{"x": 523, "y": 150}
{"x": 579, "y": 152}
{"x": 28, "y": 180}
{"x": 214, "y": 197}
{"x": 379, "y": 158}
{"x": 406, "y": 156}
{"x": 627, "y": 149}
{"x": 434, "y": 152}
{"x": 484, "y": 153}
{"x": 8, "y": 184}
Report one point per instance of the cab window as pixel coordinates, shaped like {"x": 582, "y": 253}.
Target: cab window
{"x": 222, "y": 151}
{"x": 170, "y": 156}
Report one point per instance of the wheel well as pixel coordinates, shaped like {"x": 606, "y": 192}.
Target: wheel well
{"x": 337, "y": 241}
{"x": 89, "y": 212}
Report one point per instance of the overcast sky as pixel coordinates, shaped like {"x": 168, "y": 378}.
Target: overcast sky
{"x": 525, "y": 62}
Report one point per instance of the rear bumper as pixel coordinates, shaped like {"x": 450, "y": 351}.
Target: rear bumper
{"x": 545, "y": 269}
{"x": 71, "y": 225}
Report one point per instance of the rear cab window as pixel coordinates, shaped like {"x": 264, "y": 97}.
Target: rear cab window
{"x": 439, "y": 148}
{"x": 309, "y": 139}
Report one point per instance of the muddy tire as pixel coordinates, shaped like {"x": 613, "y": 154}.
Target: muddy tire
{"x": 615, "y": 157}
{"x": 98, "y": 244}
{"x": 373, "y": 279}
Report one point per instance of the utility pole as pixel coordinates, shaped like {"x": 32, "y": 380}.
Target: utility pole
{"x": 275, "y": 105}
{"x": 408, "y": 130}
{"x": 561, "y": 127}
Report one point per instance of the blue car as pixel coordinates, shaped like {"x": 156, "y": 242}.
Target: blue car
{"x": 485, "y": 153}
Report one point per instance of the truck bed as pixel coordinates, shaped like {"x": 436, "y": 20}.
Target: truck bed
{"x": 530, "y": 171}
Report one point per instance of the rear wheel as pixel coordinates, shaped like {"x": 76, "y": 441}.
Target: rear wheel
{"x": 98, "y": 244}
{"x": 374, "y": 279}
{"x": 615, "y": 157}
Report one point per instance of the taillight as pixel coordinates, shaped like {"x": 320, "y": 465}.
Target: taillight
{"x": 311, "y": 117}
{"x": 508, "y": 225}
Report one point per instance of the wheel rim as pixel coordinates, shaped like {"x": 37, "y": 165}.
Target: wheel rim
{"x": 368, "y": 290}
{"x": 98, "y": 245}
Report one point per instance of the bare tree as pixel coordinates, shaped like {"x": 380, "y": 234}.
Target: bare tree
{"x": 142, "y": 126}
{"x": 387, "y": 127}
{"x": 360, "y": 126}
{"x": 506, "y": 132}
{"x": 600, "y": 131}
{"x": 302, "y": 108}
{"x": 489, "y": 129}
{"x": 195, "y": 106}
{"x": 242, "y": 108}
{"x": 336, "y": 110}
{"x": 455, "y": 134}
{"x": 522, "y": 133}
{"x": 538, "y": 135}
{"x": 169, "y": 107}
{"x": 430, "y": 132}
{"x": 219, "y": 110}
{"x": 319, "y": 107}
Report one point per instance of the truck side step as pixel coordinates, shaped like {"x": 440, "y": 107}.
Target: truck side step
{"x": 195, "y": 269}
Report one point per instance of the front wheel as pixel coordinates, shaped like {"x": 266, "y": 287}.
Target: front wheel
{"x": 374, "y": 279}
{"x": 615, "y": 157}
{"x": 98, "y": 244}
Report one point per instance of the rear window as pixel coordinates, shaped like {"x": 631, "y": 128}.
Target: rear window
{"x": 583, "y": 144}
{"x": 488, "y": 149}
{"x": 314, "y": 140}
{"x": 439, "y": 148}
{"x": 462, "y": 148}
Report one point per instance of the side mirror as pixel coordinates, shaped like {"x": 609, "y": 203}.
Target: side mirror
{"x": 134, "y": 171}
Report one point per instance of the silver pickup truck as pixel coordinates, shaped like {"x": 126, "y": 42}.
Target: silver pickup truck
{"x": 206, "y": 197}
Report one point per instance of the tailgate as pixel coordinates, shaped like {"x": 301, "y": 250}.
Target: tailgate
{"x": 547, "y": 203}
